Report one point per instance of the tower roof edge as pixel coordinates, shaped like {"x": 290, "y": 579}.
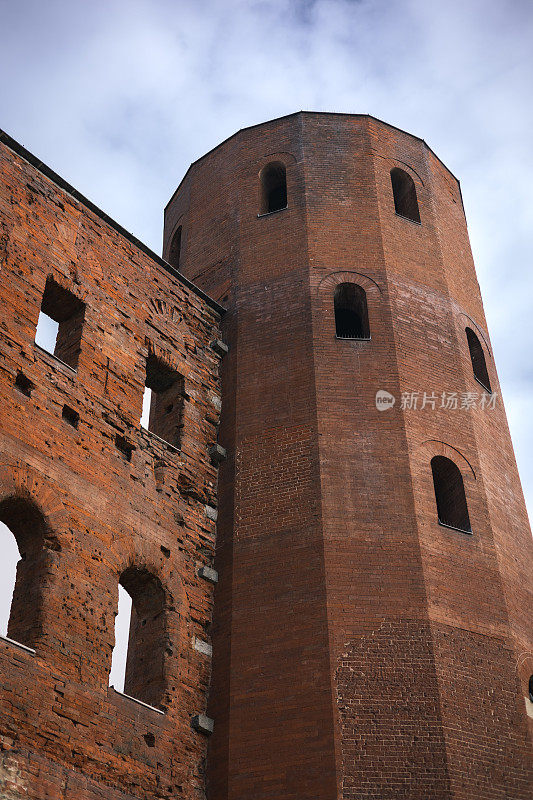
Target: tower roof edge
{"x": 310, "y": 114}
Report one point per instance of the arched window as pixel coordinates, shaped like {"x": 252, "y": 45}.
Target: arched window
{"x": 530, "y": 688}
{"x": 138, "y": 657}
{"x": 8, "y": 574}
{"x": 351, "y": 312}
{"x": 28, "y": 542}
{"x": 175, "y": 249}
{"x": 273, "y": 187}
{"x": 450, "y": 495}
{"x": 404, "y": 192}
{"x": 477, "y": 356}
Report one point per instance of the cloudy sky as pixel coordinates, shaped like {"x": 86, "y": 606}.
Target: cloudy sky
{"x": 119, "y": 96}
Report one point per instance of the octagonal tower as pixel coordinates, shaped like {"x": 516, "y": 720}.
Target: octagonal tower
{"x": 372, "y": 618}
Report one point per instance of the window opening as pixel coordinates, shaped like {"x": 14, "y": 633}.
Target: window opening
{"x": 175, "y": 249}
{"x": 477, "y": 357}
{"x": 24, "y": 384}
{"x": 351, "y": 312}
{"x": 404, "y": 193}
{"x": 273, "y": 187}
{"x": 140, "y": 637}
{"x": 60, "y": 323}
{"x": 163, "y": 401}
{"x": 452, "y": 509}
{"x": 70, "y": 416}
{"x": 26, "y": 543}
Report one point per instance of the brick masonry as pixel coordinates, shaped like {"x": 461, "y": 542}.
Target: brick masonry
{"x": 360, "y": 649}
{"x": 84, "y": 514}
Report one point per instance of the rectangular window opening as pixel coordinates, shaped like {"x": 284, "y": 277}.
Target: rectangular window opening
{"x": 163, "y": 401}
{"x": 70, "y": 416}
{"x": 24, "y": 384}
{"x": 124, "y": 447}
{"x": 147, "y": 402}
{"x": 60, "y": 324}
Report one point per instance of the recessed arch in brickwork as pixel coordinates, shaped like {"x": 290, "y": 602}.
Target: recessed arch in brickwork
{"x": 465, "y": 321}
{"x": 329, "y": 282}
{"x": 391, "y": 163}
{"x": 436, "y": 447}
{"x": 174, "y": 254}
{"x": 145, "y": 673}
{"x": 274, "y": 169}
{"x": 404, "y": 194}
{"x": 21, "y": 480}
{"x": 424, "y": 489}
{"x": 273, "y": 180}
{"x": 351, "y": 312}
{"x": 284, "y": 156}
{"x": 477, "y": 358}
{"x": 450, "y": 497}
{"x": 39, "y": 524}
{"x": 327, "y": 288}
{"x": 158, "y": 627}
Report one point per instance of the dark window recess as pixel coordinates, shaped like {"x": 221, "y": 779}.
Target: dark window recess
{"x": 159, "y": 473}
{"x": 145, "y": 672}
{"x": 273, "y": 187}
{"x": 124, "y": 447}
{"x": 477, "y": 356}
{"x": 68, "y": 313}
{"x": 166, "y": 404}
{"x": 404, "y": 192}
{"x": 36, "y": 543}
{"x": 70, "y": 416}
{"x": 24, "y": 384}
{"x": 531, "y": 688}
{"x": 175, "y": 249}
{"x": 450, "y": 495}
{"x": 351, "y": 312}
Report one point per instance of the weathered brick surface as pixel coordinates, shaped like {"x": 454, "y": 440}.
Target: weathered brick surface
{"x": 63, "y": 732}
{"x": 361, "y": 650}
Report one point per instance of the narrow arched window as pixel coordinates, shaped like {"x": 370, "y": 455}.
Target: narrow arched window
{"x": 26, "y": 546}
{"x": 138, "y": 659}
{"x": 175, "y": 249}
{"x": 477, "y": 356}
{"x": 450, "y": 495}
{"x": 351, "y": 312}
{"x": 10, "y": 559}
{"x": 404, "y": 193}
{"x": 530, "y": 688}
{"x": 273, "y": 187}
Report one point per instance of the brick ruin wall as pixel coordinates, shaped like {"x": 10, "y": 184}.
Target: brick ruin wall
{"x": 93, "y": 499}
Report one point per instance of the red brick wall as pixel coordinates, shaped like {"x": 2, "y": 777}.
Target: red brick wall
{"x": 63, "y": 732}
{"x": 353, "y": 633}
{"x": 271, "y": 693}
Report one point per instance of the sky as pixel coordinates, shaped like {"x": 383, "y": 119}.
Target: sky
{"x": 120, "y": 96}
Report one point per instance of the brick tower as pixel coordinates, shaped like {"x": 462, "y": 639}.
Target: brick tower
{"x": 372, "y": 632}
